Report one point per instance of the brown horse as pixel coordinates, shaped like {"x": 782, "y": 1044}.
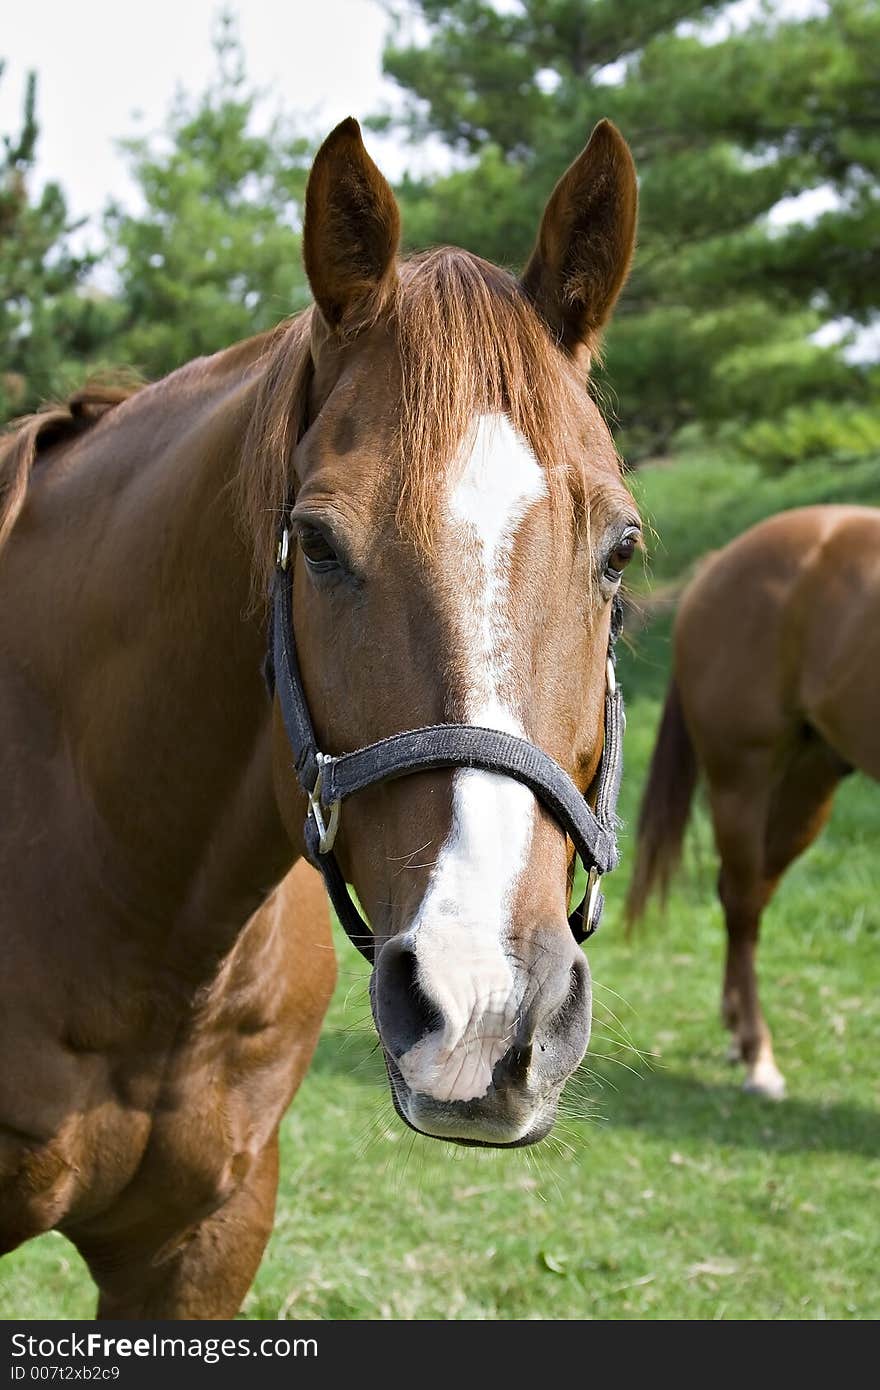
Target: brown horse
{"x": 460, "y": 527}
{"x": 774, "y": 698}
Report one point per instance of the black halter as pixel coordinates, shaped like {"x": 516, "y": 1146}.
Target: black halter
{"x": 328, "y": 781}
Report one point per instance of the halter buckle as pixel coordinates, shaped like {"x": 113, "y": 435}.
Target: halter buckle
{"x": 326, "y": 831}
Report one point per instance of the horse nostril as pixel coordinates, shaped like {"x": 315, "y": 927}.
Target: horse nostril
{"x": 574, "y": 999}
{"x": 569, "y": 1023}
{"x": 405, "y": 1013}
{"x": 516, "y": 1062}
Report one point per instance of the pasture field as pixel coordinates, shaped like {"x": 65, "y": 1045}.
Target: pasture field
{"x": 665, "y": 1192}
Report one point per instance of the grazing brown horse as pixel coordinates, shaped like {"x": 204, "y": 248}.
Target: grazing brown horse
{"x": 458, "y": 530}
{"x": 774, "y": 698}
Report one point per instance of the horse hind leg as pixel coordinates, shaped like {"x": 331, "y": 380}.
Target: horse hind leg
{"x": 753, "y": 861}
{"x": 800, "y": 808}
{"x": 739, "y": 814}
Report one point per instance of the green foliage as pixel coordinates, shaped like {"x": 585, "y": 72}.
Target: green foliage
{"x": 778, "y": 371}
{"x": 814, "y": 431}
{"x": 44, "y": 323}
{"x": 213, "y": 257}
{"x": 715, "y": 322}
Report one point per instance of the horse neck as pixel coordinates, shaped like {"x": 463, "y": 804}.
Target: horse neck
{"x": 170, "y": 719}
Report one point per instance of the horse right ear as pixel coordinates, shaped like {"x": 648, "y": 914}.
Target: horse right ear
{"x": 351, "y": 232}
{"x": 585, "y": 243}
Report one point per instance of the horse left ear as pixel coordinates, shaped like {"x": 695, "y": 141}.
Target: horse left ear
{"x": 585, "y": 244}
{"x": 350, "y": 233}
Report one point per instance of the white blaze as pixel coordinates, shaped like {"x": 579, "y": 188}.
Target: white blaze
{"x": 460, "y": 930}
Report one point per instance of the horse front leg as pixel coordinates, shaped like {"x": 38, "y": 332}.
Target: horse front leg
{"x": 761, "y": 826}
{"x": 205, "y": 1273}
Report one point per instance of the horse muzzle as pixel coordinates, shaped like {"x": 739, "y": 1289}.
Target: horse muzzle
{"x": 482, "y": 1069}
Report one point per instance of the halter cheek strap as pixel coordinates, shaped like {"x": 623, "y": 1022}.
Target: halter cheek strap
{"x": 329, "y": 781}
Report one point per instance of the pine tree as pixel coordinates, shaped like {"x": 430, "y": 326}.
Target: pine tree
{"x": 214, "y": 256}
{"x": 717, "y": 321}
{"x": 44, "y": 321}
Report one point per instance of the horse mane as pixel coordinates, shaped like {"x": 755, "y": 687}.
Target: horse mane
{"x": 24, "y": 440}
{"x": 470, "y": 342}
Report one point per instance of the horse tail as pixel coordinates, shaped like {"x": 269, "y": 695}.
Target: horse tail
{"x": 22, "y": 443}
{"x": 665, "y": 808}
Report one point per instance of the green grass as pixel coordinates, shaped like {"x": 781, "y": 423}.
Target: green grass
{"x": 666, "y": 1192}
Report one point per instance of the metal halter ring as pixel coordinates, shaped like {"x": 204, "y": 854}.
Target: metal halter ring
{"x": 282, "y": 554}
{"x": 594, "y": 879}
{"x": 326, "y": 832}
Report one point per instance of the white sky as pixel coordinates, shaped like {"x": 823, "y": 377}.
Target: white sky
{"x": 101, "y": 61}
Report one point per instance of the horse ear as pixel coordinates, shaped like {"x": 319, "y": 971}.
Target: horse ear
{"x": 351, "y": 231}
{"x": 584, "y": 248}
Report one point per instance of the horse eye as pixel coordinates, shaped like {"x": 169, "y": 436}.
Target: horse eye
{"x": 622, "y": 554}
{"x": 317, "y": 551}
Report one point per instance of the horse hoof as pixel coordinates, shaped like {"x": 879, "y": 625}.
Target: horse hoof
{"x": 766, "y": 1082}
{"x": 734, "y": 1052}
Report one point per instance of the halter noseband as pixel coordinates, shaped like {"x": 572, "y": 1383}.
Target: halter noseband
{"x": 328, "y": 781}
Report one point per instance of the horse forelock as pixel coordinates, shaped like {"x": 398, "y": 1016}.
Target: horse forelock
{"x": 469, "y": 343}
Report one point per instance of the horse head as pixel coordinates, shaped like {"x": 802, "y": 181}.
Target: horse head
{"x": 458, "y": 527}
